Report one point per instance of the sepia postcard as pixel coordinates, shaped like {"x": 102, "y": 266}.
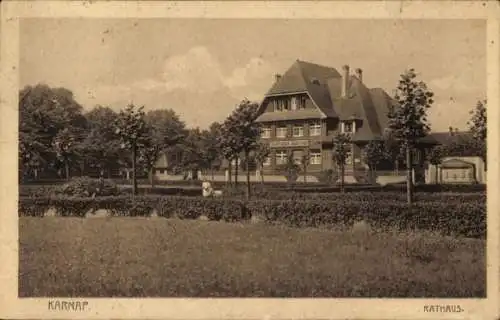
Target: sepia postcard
{"x": 249, "y": 160}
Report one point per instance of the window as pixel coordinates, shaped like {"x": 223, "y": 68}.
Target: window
{"x": 347, "y": 127}
{"x": 301, "y": 103}
{"x": 267, "y": 162}
{"x": 282, "y": 105}
{"x": 281, "y": 132}
{"x": 298, "y": 131}
{"x": 265, "y": 132}
{"x": 315, "y": 129}
{"x": 286, "y": 104}
{"x": 298, "y": 103}
{"x": 281, "y": 157}
{"x": 277, "y": 106}
{"x": 315, "y": 157}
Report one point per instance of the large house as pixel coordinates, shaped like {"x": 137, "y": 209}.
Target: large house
{"x": 309, "y": 104}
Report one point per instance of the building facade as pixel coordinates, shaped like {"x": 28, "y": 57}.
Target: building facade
{"x": 309, "y": 104}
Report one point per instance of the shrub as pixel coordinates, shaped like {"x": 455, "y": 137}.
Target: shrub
{"x": 86, "y": 187}
{"x": 36, "y": 190}
{"x": 438, "y": 187}
{"x": 33, "y": 207}
{"x": 72, "y": 207}
{"x": 138, "y": 207}
{"x": 171, "y": 191}
{"x": 457, "y": 217}
{"x": 329, "y": 176}
{"x": 305, "y": 213}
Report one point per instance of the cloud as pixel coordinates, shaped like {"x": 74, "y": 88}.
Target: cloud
{"x": 255, "y": 69}
{"x": 199, "y": 71}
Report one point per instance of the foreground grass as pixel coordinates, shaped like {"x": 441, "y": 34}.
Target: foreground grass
{"x": 127, "y": 257}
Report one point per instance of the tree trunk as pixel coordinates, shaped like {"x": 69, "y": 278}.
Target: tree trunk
{"x": 342, "y": 178}
{"x": 230, "y": 172}
{"x": 134, "y": 175}
{"x": 35, "y": 171}
{"x": 261, "y": 174}
{"x": 248, "y": 175}
{"x": 236, "y": 167}
{"x": 409, "y": 178}
{"x": 436, "y": 174}
{"x": 66, "y": 168}
{"x": 212, "y": 171}
{"x": 397, "y": 167}
{"x": 152, "y": 178}
{"x": 305, "y": 174}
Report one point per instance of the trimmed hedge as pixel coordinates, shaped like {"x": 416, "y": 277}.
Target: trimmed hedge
{"x": 447, "y": 217}
{"x": 438, "y": 187}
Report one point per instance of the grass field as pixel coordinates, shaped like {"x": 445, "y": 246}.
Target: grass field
{"x": 135, "y": 257}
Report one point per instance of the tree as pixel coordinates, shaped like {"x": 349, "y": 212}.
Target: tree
{"x": 478, "y": 127}
{"x": 192, "y": 158}
{"x": 393, "y": 149}
{"x": 65, "y": 146}
{"x": 341, "y": 151}
{"x": 131, "y": 127}
{"x": 291, "y": 169}
{"x": 304, "y": 162}
{"x": 164, "y": 130}
{"x": 101, "y": 147}
{"x": 374, "y": 153}
{"x": 211, "y": 148}
{"x": 408, "y": 118}
{"x": 241, "y": 133}
{"x": 43, "y": 112}
{"x": 227, "y": 143}
{"x": 262, "y": 152}
{"x": 435, "y": 157}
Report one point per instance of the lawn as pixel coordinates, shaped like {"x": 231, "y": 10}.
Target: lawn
{"x": 156, "y": 257}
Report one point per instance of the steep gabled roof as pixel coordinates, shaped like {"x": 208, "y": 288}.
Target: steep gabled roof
{"x": 360, "y": 104}
{"x": 291, "y": 81}
{"x": 381, "y": 102}
{"x": 324, "y": 85}
{"x": 300, "y": 75}
{"x": 307, "y": 77}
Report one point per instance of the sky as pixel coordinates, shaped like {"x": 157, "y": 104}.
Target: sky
{"x": 202, "y": 68}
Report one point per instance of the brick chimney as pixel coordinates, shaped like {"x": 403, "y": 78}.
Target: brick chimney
{"x": 345, "y": 80}
{"x": 359, "y": 74}
{"x": 277, "y": 77}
